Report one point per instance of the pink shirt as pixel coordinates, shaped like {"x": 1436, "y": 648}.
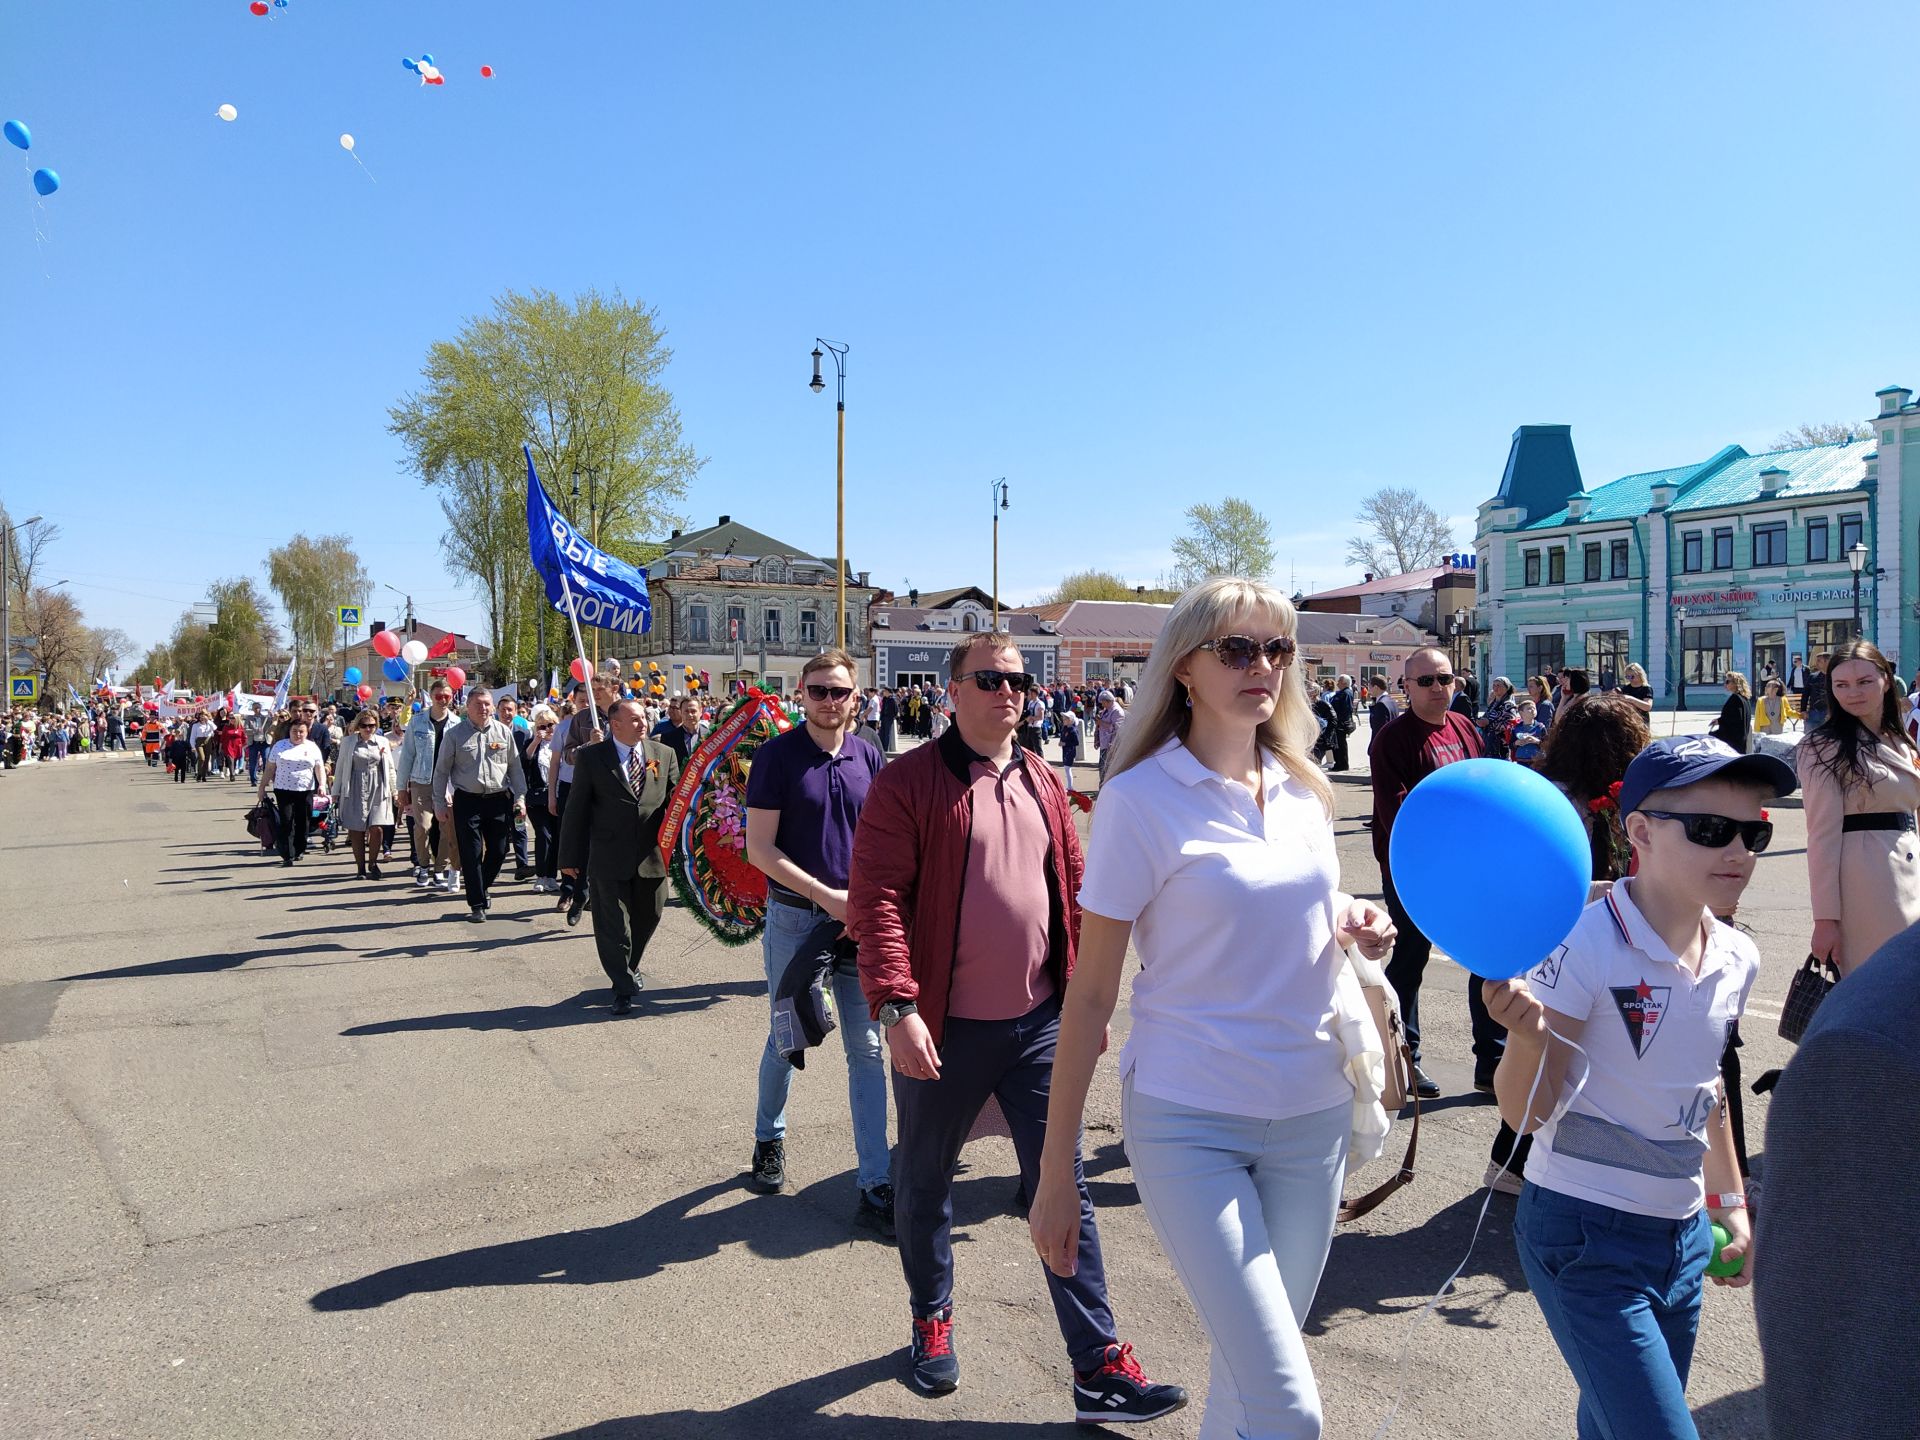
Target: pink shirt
{"x": 1000, "y": 958}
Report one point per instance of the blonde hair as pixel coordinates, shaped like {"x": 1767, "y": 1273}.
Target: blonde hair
{"x": 1739, "y": 683}
{"x": 1160, "y": 713}
{"x": 1636, "y": 675}
{"x": 543, "y": 715}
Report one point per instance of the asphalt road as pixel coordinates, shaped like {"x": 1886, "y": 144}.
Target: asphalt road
{"x": 283, "y": 1153}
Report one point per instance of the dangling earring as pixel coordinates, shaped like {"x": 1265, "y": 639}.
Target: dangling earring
{"x": 1189, "y": 697}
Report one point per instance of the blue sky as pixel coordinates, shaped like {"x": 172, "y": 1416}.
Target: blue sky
{"x": 1129, "y": 256}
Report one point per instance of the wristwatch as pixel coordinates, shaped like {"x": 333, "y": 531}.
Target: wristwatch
{"x": 892, "y": 1012}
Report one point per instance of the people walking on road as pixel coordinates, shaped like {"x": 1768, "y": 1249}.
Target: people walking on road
{"x": 259, "y": 727}
{"x": 1213, "y": 843}
{"x": 153, "y": 737}
{"x": 1069, "y": 743}
{"x": 1343, "y": 703}
{"x": 676, "y": 730}
{"x": 479, "y": 789}
{"x": 587, "y": 725}
{"x": 536, "y": 762}
{"x": 1107, "y": 721}
{"x": 966, "y": 869}
{"x": 610, "y": 835}
{"x": 200, "y": 736}
{"x": 365, "y": 783}
{"x": 804, "y": 798}
{"x": 295, "y": 772}
{"x": 1860, "y": 778}
{"x": 230, "y": 742}
{"x": 180, "y": 751}
{"x": 433, "y": 847}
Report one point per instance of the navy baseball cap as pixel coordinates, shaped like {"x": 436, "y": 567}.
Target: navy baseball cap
{"x": 1688, "y": 759}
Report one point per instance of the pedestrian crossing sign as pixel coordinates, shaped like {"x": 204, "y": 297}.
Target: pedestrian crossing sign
{"x": 24, "y": 687}
{"x": 350, "y": 615}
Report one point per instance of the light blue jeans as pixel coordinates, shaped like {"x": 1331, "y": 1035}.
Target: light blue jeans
{"x": 787, "y": 929}
{"x": 1244, "y": 1209}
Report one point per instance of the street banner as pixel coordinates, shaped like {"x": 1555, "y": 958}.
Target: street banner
{"x": 443, "y": 646}
{"x": 583, "y": 583}
{"x": 286, "y": 684}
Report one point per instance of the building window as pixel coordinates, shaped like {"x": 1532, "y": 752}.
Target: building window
{"x": 809, "y": 627}
{"x": 770, "y": 625}
{"x": 1770, "y": 543}
{"x": 696, "y": 625}
{"x": 1850, "y": 533}
{"x": 1817, "y": 552}
{"x": 1823, "y": 635}
{"x": 1606, "y": 657}
{"x": 1690, "y": 557}
{"x": 1723, "y": 549}
{"x": 1590, "y": 558}
{"x": 1556, "y": 567}
{"x": 1546, "y": 654}
{"x": 1099, "y": 669}
{"x": 1706, "y": 654}
{"x": 1533, "y": 567}
{"x": 736, "y": 622}
{"x": 1619, "y": 558}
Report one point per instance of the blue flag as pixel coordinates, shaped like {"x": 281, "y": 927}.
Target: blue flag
{"x": 606, "y": 591}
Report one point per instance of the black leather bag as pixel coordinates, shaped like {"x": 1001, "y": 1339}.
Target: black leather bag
{"x": 1810, "y": 986}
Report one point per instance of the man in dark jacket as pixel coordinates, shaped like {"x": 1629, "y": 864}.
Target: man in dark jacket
{"x": 1343, "y": 725}
{"x": 965, "y": 871}
{"x": 610, "y": 828}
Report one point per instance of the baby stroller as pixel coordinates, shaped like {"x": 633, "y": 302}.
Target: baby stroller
{"x": 321, "y": 827}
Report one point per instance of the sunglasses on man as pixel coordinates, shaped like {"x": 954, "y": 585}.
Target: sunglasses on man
{"x": 1236, "y": 652}
{"x": 835, "y": 693}
{"x": 1424, "y": 681}
{"x": 1716, "y": 832}
{"x": 989, "y": 681}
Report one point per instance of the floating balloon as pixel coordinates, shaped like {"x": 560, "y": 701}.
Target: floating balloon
{"x": 580, "y": 670}
{"x": 1498, "y": 920}
{"x": 259, "y": 7}
{"x": 426, "y": 59}
{"x": 486, "y": 72}
{"x": 46, "y": 181}
{"x": 351, "y": 675}
{"x": 227, "y": 112}
{"x": 413, "y": 652}
{"x": 17, "y": 134}
{"x": 456, "y": 677}
{"x": 407, "y": 63}
{"x": 394, "y": 669}
{"x": 386, "y": 643}
{"x": 365, "y": 692}
{"x": 346, "y": 143}
{"x": 438, "y": 79}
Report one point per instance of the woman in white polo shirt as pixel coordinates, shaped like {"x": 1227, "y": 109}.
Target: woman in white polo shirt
{"x": 1213, "y": 850}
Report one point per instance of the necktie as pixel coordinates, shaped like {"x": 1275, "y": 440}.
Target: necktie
{"x": 636, "y": 769}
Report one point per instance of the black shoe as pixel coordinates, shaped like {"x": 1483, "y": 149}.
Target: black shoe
{"x": 1423, "y": 1085}
{"x": 373, "y": 872}
{"x": 1483, "y": 1081}
{"x": 478, "y": 914}
{"x": 936, "y": 1369}
{"x": 1021, "y": 1203}
{"x": 573, "y": 916}
{"x": 623, "y": 1004}
{"x": 769, "y": 1174}
{"x": 523, "y": 872}
{"x": 360, "y": 872}
{"x": 285, "y": 863}
{"x": 1119, "y": 1393}
{"x": 876, "y": 1209}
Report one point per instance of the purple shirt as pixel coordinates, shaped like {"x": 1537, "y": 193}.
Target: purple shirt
{"x": 819, "y": 798}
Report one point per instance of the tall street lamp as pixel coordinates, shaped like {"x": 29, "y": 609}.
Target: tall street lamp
{"x": 1856, "y": 562}
{"x": 817, "y": 384}
{"x": 1680, "y": 633}
{"x": 998, "y": 489}
{"x": 6, "y": 616}
{"x": 1460, "y": 661}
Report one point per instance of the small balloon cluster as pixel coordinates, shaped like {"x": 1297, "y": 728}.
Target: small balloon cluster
{"x": 261, "y": 9}
{"x": 424, "y": 67}
{"x": 45, "y": 181}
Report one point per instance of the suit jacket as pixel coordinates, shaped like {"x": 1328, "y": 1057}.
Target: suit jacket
{"x": 606, "y": 829}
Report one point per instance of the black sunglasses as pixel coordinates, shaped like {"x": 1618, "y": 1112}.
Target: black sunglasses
{"x": 1424, "y": 681}
{"x": 992, "y": 680}
{"x": 828, "y": 692}
{"x": 1716, "y": 832}
{"x": 1236, "y": 652}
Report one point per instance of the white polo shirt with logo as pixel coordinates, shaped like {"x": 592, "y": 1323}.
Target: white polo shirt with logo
{"x": 1636, "y": 1134}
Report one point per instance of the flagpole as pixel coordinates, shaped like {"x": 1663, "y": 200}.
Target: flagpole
{"x": 574, "y": 620}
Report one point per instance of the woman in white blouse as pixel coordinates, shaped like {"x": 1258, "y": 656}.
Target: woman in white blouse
{"x": 1213, "y": 850}
{"x": 295, "y": 772}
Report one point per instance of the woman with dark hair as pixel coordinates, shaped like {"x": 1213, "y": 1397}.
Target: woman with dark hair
{"x": 1496, "y": 725}
{"x": 1860, "y": 776}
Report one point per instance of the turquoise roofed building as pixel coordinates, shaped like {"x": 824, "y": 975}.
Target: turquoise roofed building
{"x": 1735, "y": 562}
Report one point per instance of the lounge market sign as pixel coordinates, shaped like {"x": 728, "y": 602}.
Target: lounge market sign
{"x": 1701, "y": 602}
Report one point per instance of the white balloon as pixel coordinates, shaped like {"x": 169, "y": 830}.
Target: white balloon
{"x": 429, "y": 72}
{"x": 346, "y": 142}
{"x": 413, "y": 652}
{"x": 227, "y": 112}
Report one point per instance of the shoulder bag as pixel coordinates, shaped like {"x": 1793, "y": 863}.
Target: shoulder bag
{"x": 1380, "y": 1063}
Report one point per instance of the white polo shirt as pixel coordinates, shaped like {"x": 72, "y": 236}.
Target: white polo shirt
{"x": 1636, "y": 1134}
{"x": 1233, "y": 918}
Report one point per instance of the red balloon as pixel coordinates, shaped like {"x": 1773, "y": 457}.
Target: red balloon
{"x": 258, "y": 7}
{"x": 486, "y": 72}
{"x": 438, "y": 80}
{"x": 365, "y": 692}
{"x": 456, "y": 677}
{"x": 387, "y": 643}
{"x": 580, "y": 670}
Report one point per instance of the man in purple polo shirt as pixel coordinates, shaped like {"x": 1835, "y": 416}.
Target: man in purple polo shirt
{"x": 803, "y": 800}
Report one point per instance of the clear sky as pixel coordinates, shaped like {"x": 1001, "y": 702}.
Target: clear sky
{"x": 1130, "y": 256}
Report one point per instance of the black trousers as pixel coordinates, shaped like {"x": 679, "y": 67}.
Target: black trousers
{"x": 625, "y": 915}
{"x": 575, "y": 890}
{"x": 296, "y": 813}
{"x": 480, "y": 824}
{"x": 1341, "y": 759}
{"x": 546, "y": 839}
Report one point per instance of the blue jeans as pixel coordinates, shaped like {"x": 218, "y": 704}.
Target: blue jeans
{"x": 256, "y": 757}
{"x": 1621, "y": 1294}
{"x": 787, "y": 929}
{"x": 1244, "y": 1209}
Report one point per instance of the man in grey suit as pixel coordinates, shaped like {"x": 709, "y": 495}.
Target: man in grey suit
{"x": 1837, "y": 1279}
{"x": 611, "y": 827}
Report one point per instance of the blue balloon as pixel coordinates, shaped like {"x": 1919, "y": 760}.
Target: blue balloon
{"x": 1492, "y": 863}
{"x": 426, "y": 59}
{"x": 351, "y": 675}
{"x": 395, "y": 668}
{"x": 406, "y": 61}
{"x": 17, "y": 134}
{"x": 46, "y": 181}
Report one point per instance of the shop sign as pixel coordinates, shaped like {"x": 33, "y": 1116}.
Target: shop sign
{"x": 1721, "y": 598}
{"x": 1822, "y": 595}
{"x": 1382, "y": 655}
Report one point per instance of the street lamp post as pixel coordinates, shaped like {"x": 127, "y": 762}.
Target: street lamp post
{"x": 1460, "y": 662}
{"x": 817, "y": 384}
{"x": 1856, "y": 562}
{"x": 6, "y": 615}
{"x": 1680, "y": 685}
{"x": 998, "y": 490}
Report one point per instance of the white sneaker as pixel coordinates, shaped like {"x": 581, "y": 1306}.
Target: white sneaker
{"x": 449, "y": 882}
{"x": 1502, "y": 1179}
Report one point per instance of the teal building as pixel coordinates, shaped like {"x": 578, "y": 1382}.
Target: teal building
{"x": 1734, "y": 562}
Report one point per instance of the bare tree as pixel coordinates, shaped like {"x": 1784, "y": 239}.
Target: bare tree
{"x": 26, "y": 547}
{"x": 1231, "y": 538}
{"x": 58, "y": 637}
{"x": 105, "y": 650}
{"x": 1827, "y": 432}
{"x": 1402, "y": 533}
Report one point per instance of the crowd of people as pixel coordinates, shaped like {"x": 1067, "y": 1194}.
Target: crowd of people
{"x": 926, "y": 882}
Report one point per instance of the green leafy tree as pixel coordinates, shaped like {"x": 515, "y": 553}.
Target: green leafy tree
{"x": 581, "y": 383}
{"x": 1104, "y": 585}
{"x": 1231, "y": 538}
{"x": 313, "y": 577}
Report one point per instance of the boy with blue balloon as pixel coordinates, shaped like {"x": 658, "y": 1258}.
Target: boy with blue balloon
{"x": 1613, "y": 1224}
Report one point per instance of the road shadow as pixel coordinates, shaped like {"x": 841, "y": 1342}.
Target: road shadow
{"x": 793, "y": 1412}
{"x": 203, "y": 964}
{"x": 1394, "y": 1273}
{"x": 357, "y": 928}
{"x": 480, "y": 942}
{"x": 1733, "y": 1417}
{"x": 774, "y": 1227}
{"x": 981, "y": 1195}
{"x": 589, "y": 1007}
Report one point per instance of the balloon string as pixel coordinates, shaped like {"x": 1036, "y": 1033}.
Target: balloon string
{"x": 1432, "y": 1306}
{"x": 362, "y": 164}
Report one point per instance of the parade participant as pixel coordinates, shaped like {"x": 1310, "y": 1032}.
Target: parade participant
{"x": 1860, "y": 777}
{"x": 1613, "y": 1225}
{"x": 1527, "y": 734}
{"x": 610, "y": 829}
{"x": 365, "y": 781}
{"x": 1817, "y": 697}
{"x": 259, "y": 728}
{"x": 507, "y": 712}
{"x": 419, "y": 752}
{"x": 1636, "y": 689}
{"x": 1214, "y": 835}
{"x": 180, "y": 750}
{"x": 1540, "y": 691}
{"x": 295, "y": 771}
{"x": 230, "y": 741}
{"x": 1496, "y": 725}
{"x": 1069, "y": 742}
{"x": 587, "y": 725}
{"x": 150, "y": 737}
{"x": 676, "y": 731}
{"x": 966, "y": 869}
{"x": 1106, "y": 727}
{"x": 200, "y": 736}
{"x": 1032, "y": 719}
{"x": 1380, "y": 712}
{"x": 1770, "y": 711}
{"x": 1344, "y": 724}
{"x": 480, "y": 764}
{"x": 889, "y": 720}
{"x": 1429, "y": 735}
{"x": 1734, "y": 725}
{"x": 536, "y": 762}
{"x": 804, "y": 797}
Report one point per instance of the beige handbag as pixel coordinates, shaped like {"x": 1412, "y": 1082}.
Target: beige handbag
{"x": 1397, "y": 1088}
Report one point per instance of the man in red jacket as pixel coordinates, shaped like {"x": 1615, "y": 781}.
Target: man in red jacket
{"x": 963, "y": 897}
